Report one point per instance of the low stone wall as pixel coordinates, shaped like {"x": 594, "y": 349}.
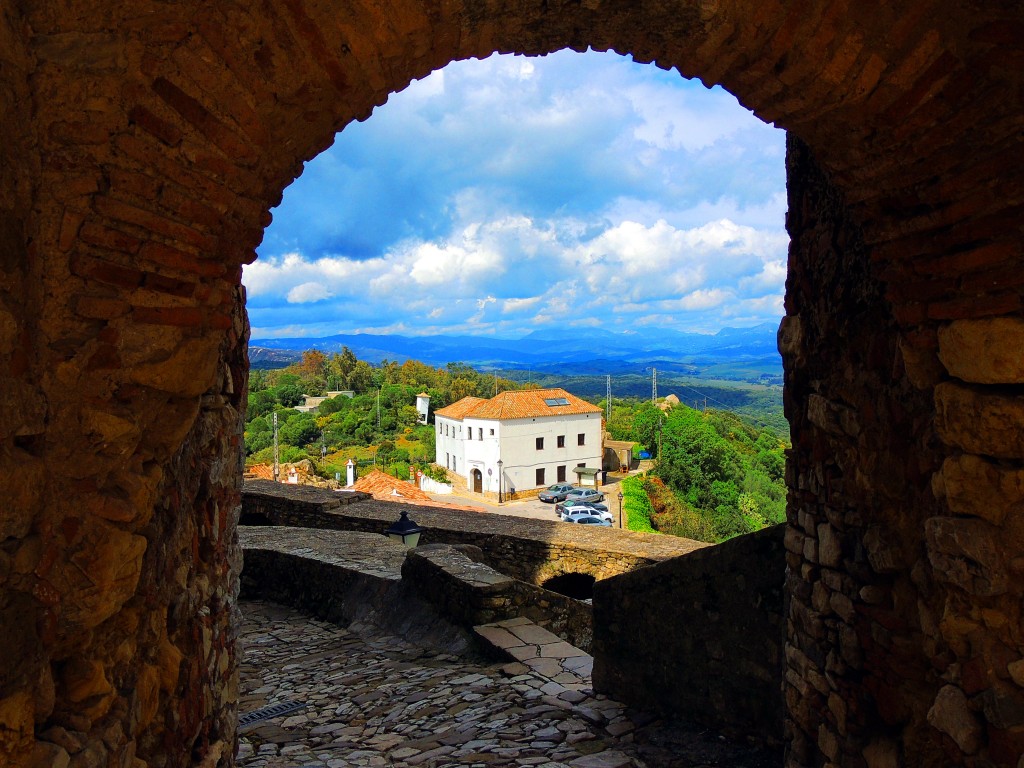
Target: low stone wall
{"x": 700, "y": 636}
{"x": 470, "y": 592}
{"x": 344, "y": 577}
{"x": 527, "y": 549}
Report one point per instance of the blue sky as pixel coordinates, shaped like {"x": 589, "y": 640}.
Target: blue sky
{"x": 518, "y": 194}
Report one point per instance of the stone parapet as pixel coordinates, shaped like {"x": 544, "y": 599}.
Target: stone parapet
{"x": 526, "y": 549}
{"x": 471, "y": 593}
{"x": 700, "y": 636}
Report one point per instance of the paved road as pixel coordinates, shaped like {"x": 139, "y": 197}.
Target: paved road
{"x": 367, "y": 699}
{"x": 534, "y": 507}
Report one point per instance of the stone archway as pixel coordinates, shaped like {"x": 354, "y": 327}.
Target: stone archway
{"x": 152, "y": 143}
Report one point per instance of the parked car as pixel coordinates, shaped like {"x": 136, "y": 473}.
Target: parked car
{"x": 589, "y": 520}
{"x": 565, "y": 506}
{"x": 556, "y": 492}
{"x": 584, "y": 494}
{"x": 576, "y": 516}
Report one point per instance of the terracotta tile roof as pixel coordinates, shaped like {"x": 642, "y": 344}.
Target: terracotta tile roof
{"x": 260, "y": 472}
{"x": 382, "y": 486}
{"x": 459, "y": 409}
{"x": 266, "y": 472}
{"x": 528, "y": 403}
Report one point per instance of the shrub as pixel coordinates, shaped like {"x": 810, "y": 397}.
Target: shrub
{"x": 636, "y": 505}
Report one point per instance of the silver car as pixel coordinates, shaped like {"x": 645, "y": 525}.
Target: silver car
{"x": 576, "y": 515}
{"x": 556, "y": 492}
{"x": 584, "y": 494}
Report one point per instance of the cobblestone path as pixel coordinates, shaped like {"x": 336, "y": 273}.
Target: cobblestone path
{"x": 374, "y": 700}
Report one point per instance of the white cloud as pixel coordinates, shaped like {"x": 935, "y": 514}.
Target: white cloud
{"x": 568, "y": 190}
{"x": 509, "y": 306}
{"x": 307, "y": 293}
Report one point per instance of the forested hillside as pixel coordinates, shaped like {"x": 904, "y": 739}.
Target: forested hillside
{"x": 716, "y": 476}
{"x": 377, "y": 425}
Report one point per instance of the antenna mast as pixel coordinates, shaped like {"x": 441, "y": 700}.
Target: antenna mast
{"x": 609, "y": 399}
{"x": 654, "y": 385}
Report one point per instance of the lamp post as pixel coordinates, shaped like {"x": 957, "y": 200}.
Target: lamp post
{"x": 405, "y": 531}
{"x": 620, "y": 509}
{"x": 500, "y": 499}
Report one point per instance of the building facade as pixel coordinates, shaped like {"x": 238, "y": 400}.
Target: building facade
{"x": 518, "y": 440}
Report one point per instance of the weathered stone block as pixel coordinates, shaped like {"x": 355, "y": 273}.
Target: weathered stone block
{"x": 979, "y": 421}
{"x": 981, "y": 488}
{"x": 188, "y": 372}
{"x": 102, "y": 573}
{"x": 988, "y": 351}
{"x": 922, "y": 366}
{"x": 951, "y": 715}
{"x": 967, "y": 553}
{"x": 16, "y": 716}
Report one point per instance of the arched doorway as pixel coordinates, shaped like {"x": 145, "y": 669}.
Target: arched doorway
{"x": 579, "y": 586}
{"x": 478, "y": 480}
{"x": 156, "y": 145}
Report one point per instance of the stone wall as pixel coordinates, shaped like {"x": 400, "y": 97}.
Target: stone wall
{"x": 346, "y": 578}
{"x": 144, "y": 147}
{"x": 471, "y": 593}
{"x": 529, "y": 550}
{"x": 699, "y": 637}
{"x": 904, "y": 527}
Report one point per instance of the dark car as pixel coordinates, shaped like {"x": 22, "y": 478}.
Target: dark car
{"x": 556, "y": 492}
{"x": 587, "y": 520}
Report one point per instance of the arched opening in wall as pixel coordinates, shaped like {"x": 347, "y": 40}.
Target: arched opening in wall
{"x": 579, "y": 586}
{"x": 550, "y": 222}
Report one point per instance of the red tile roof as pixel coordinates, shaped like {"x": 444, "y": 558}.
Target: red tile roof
{"x": 383, "y": 486}
{"x": 518, "y": 404}
{"x": 458, "y": 410}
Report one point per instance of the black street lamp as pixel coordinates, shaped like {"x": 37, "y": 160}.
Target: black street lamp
{"x": 620, "y": 509}
{"x": 500, "y": 499}
{"x": 405, "y": 531}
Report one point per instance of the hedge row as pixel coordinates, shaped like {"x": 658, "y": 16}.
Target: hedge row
{"x": 636, "y": 505}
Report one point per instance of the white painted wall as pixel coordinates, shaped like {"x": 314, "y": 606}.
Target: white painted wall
{"x": 479, "y": 443}
{"x": 450, "y": 443}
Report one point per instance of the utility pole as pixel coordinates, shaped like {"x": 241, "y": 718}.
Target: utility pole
{"x": 277, "y": 455}
{"x": 609, "y": 399}
{"x": 378, "y": 409}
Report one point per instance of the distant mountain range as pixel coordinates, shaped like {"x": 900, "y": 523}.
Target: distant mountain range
{"x": 740, "y": 353}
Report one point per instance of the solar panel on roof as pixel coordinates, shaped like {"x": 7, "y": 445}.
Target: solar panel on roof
{"x": 553, "y": 401}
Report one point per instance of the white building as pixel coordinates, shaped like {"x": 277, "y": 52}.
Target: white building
{"x": 422, "y": 407}
{"x": 536, "y": 436}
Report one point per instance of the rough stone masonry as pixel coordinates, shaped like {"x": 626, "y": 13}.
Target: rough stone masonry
{"x": 141, "y": 149}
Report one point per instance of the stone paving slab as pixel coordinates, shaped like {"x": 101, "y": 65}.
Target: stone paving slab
{"x": 542, "y": 651}
{"x": 377, "y": 700}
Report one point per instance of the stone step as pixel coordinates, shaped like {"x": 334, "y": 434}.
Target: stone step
{"x": 543, "y": 652}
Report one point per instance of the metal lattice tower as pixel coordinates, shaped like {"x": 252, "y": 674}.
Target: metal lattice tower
{"x": 608, "y": 398}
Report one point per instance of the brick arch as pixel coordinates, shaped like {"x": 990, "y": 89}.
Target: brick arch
{"x": 156, "y": 139}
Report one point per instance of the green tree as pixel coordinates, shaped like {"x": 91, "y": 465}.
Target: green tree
{"x": 288, "y": 395}
{"x": 647, "y": 422}
{"x": 260, "y": 404}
